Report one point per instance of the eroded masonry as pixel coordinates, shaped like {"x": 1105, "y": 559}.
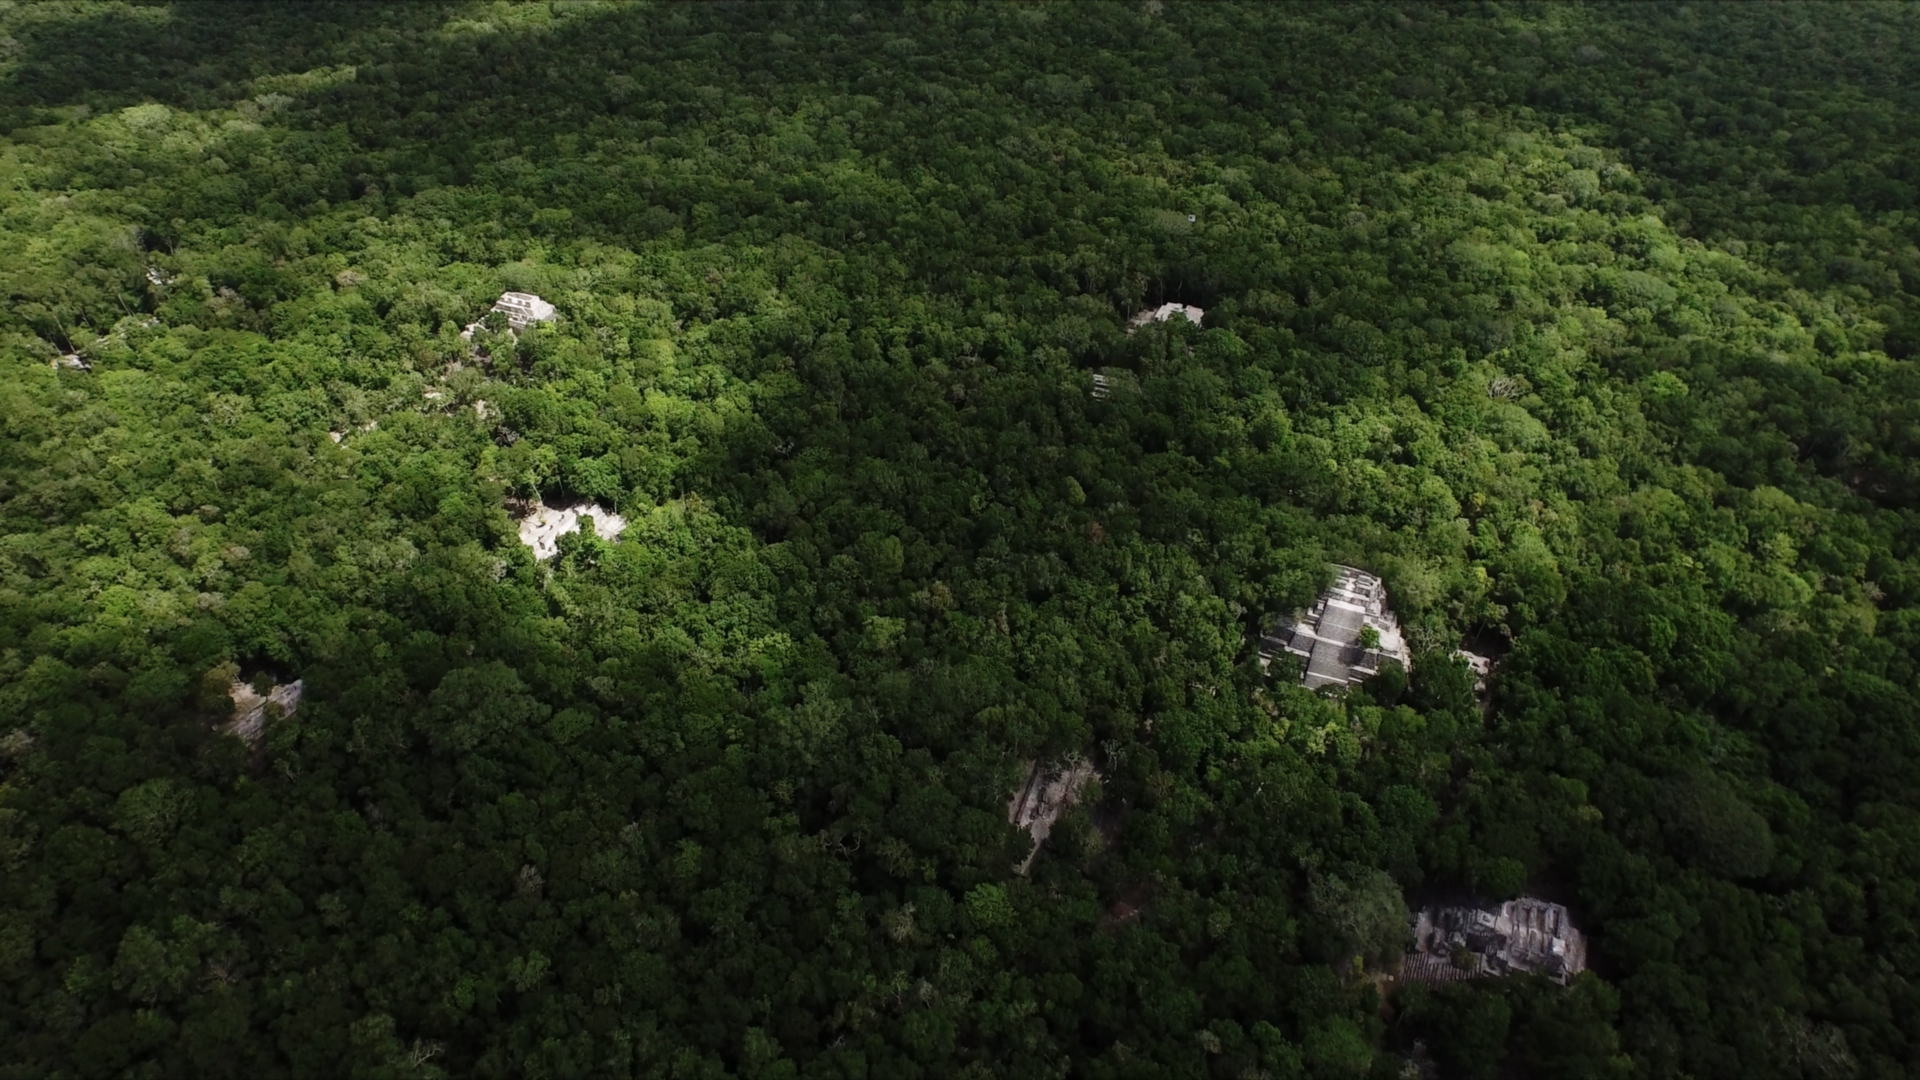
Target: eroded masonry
{"x": 1164, "y": 312}
{"x": 543, "y": 526}
{"x": 521, "y": 309}
{"x": 1345, "y": 637}
{"x": 1524, "y": 936}
{"x": 1047, "y": 790}
{"x": 250, "y": 706}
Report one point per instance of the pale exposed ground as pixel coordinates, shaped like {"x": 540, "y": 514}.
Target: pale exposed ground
{"x": 250, "y": 709}
{"x": 543, "y": 527}
{"x": 1039, "y": 800}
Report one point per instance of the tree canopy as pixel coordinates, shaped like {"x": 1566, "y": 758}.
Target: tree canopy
{"x": 1593, "y": 330}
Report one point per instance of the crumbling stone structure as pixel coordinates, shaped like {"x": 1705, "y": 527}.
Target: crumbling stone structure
{"x": 250, "y": 706}
{"x": 1047, "y": 790}
{"x": 1332, "y": 635}
{"x": 1163, "y": 313}
{"x": 521, "y": 309}
{"x": 543, "y": 526}
{"x": 1527, "y": 935}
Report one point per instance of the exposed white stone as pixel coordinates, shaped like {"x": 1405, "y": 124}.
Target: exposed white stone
{"x": 543, "y": 527}
{"x": 521, "y": 309}
{"x": 1481, "y": 666}
{"x": 1328, "y": 635}
{"x": 524, "y": 309}
{"x": 250, "y": 707}
{"x": 1114, "y": 383}
{"x": 1525, "y": 935}
{"x": 1163, "y": 313}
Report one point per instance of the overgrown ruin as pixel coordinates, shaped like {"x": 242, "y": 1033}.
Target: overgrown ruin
{"x": 250, "y": 706}
{"x": 1345, "y": 637}
{"x": 1047, "y": 790}
{"x": 1163, "y": 313}
{"x": 1482, "y": 667}
{"x": 521, "y": 309}
{"x": 1111, "y": 383}
{"x": 543, "y": 526}
{"x": 1524, "y": 936}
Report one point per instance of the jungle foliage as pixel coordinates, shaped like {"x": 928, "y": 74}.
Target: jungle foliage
{"x": 1594, "y": 330}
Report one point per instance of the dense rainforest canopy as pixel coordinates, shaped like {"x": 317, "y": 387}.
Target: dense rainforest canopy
{"x": 1593, "y": 330}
